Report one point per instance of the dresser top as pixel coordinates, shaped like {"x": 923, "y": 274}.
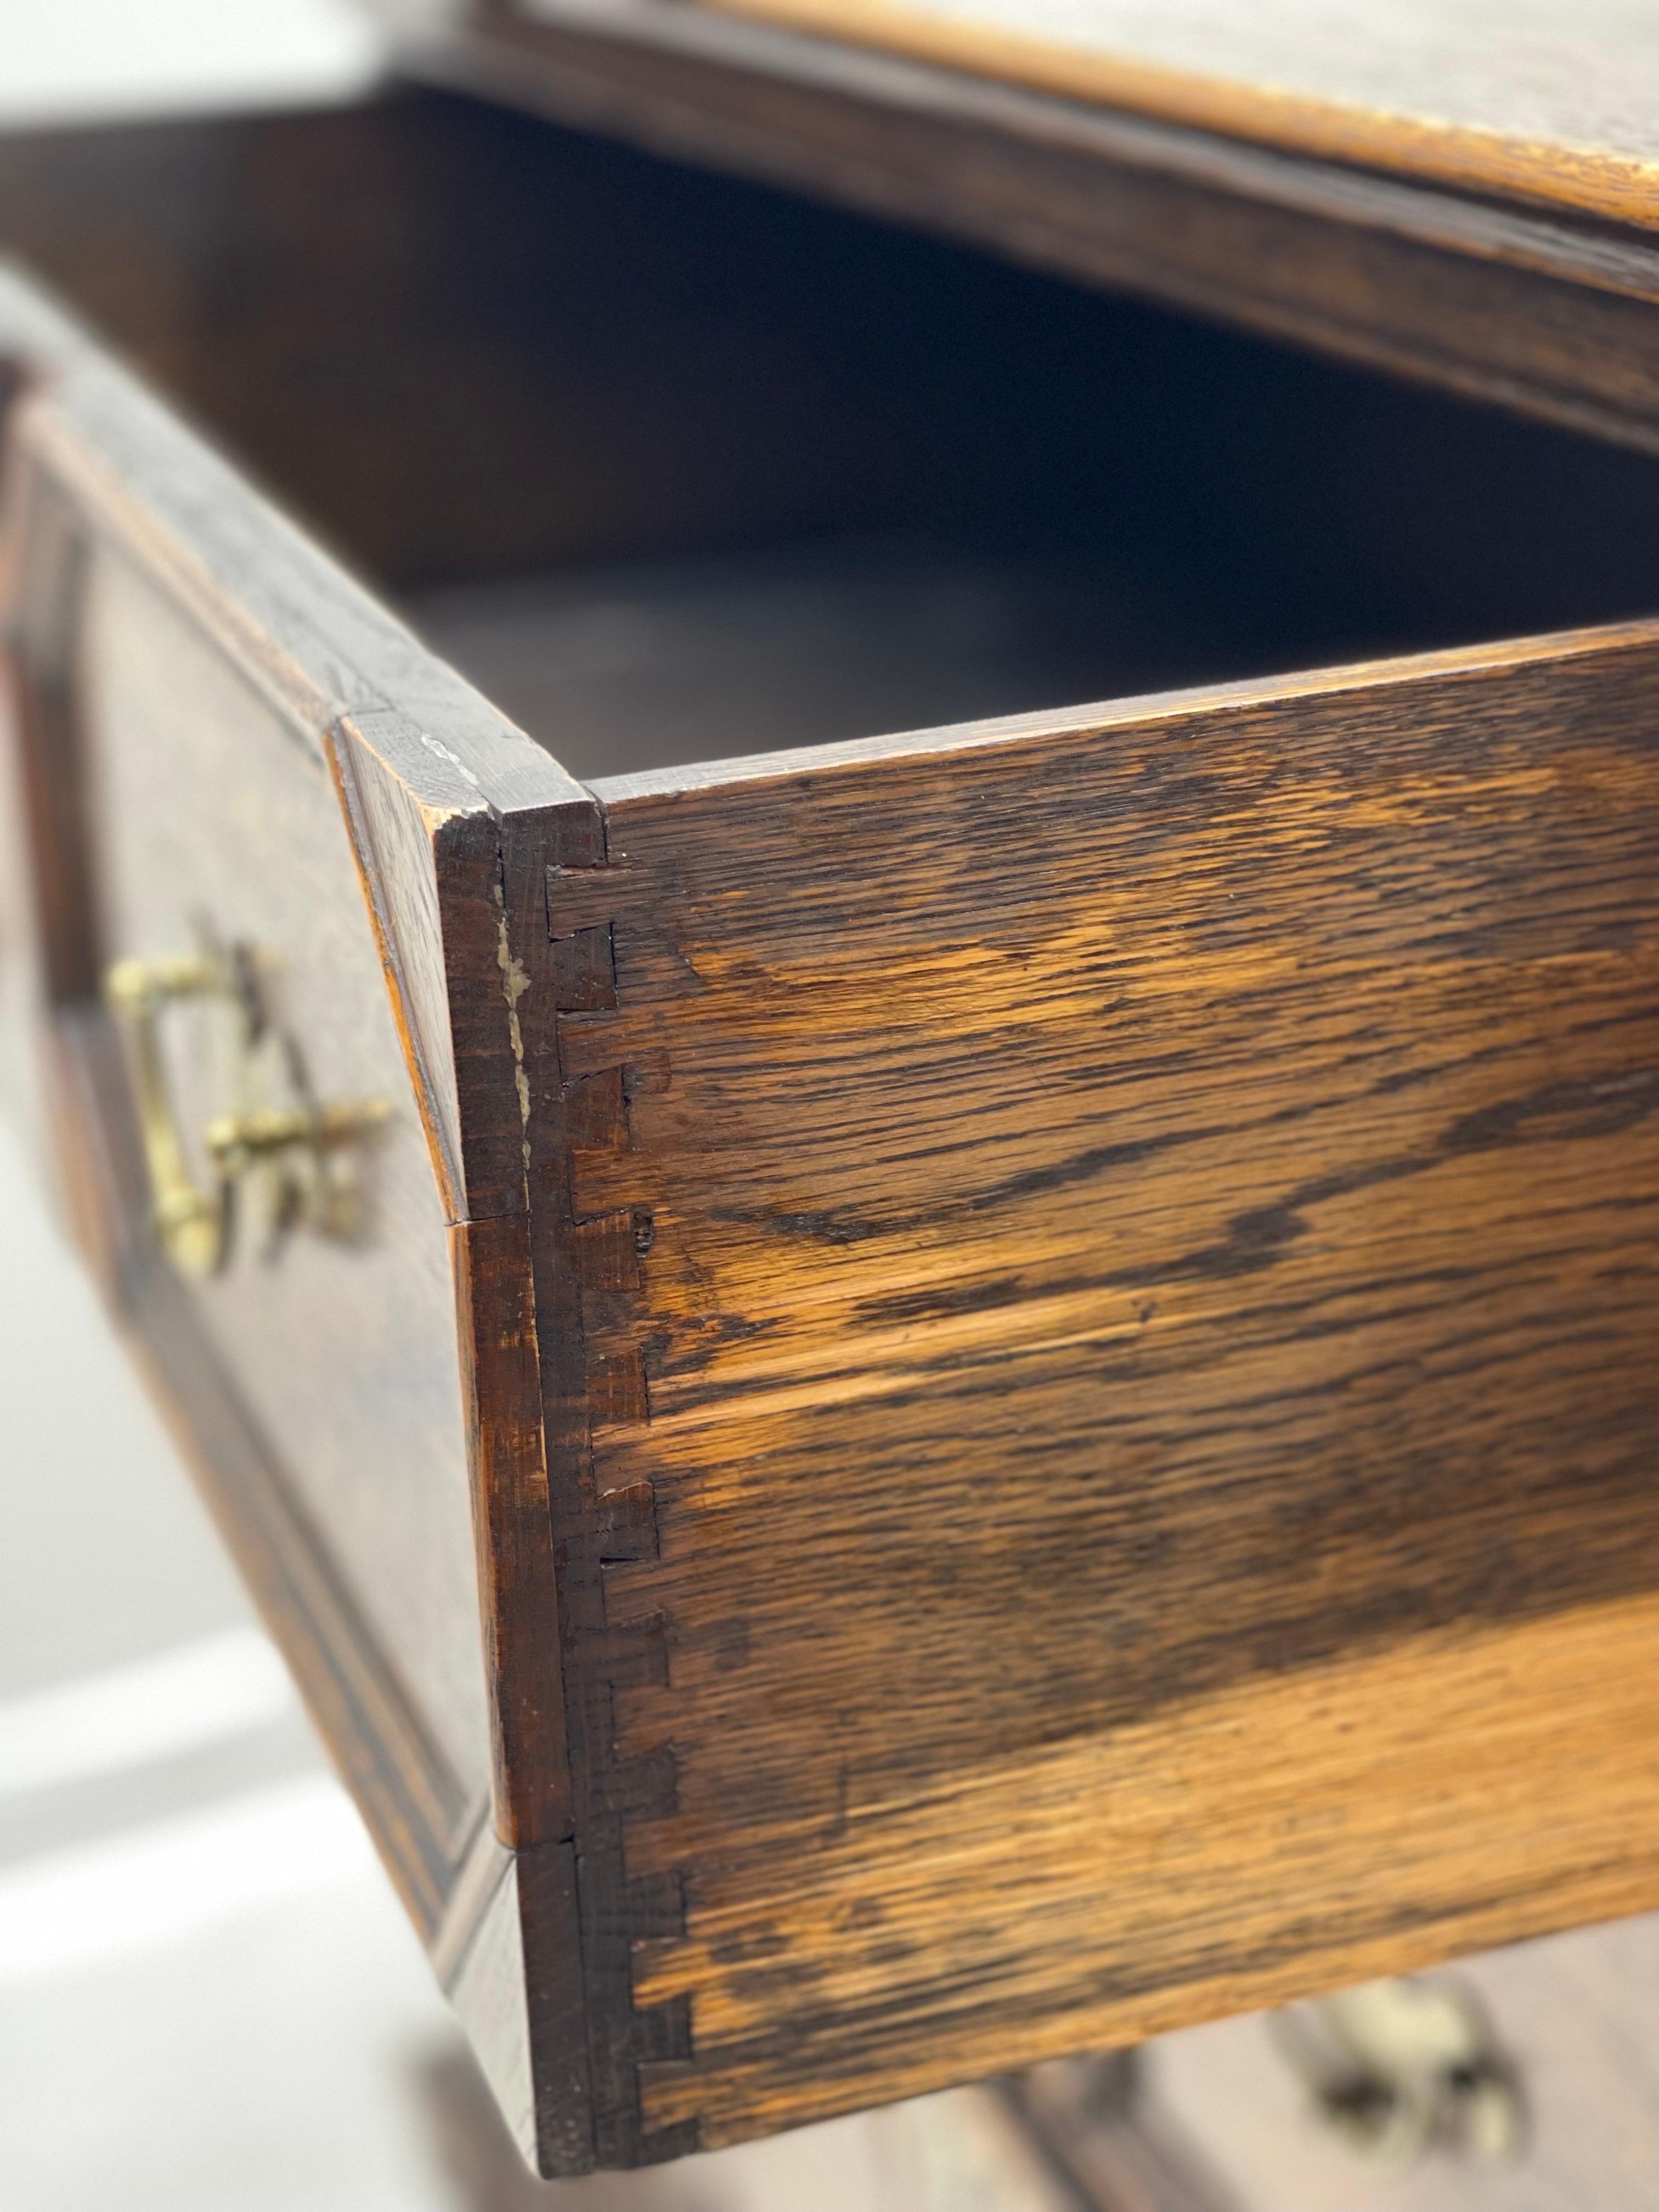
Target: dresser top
{"x": 1538, "y": 100}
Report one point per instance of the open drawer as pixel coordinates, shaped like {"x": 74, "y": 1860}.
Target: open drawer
{"x": 1048, "y": 1322}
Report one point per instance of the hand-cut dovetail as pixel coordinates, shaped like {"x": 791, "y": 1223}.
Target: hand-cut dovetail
{"x": 616, "y": 1389}
{"x": 625, "y": 1525}
{"x": 663, "y": 2031}
{"x": 665, "y": 2144}
{"x": 645, "y": 1787}
{"x": 610, "y": 1247}
{"x": 604, "y": 1251}
{"x": 580, "y": 898}
{"x": 633, "y": 1655}
{"x": 656, "y": 1912}
{"x": 594, "y": 1109}
{"x": 585, "y": 970}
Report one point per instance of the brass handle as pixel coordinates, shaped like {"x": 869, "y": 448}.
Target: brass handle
{"x": 294, "y": 1141}
{"x": 192, "y": 1224}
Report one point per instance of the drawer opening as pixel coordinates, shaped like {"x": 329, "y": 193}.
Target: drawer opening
{"x": 676, "y": 467}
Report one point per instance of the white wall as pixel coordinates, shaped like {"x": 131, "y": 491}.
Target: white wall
{"x": 64, "y": 60}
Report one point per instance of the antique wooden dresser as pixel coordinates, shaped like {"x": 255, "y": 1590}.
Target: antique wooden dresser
{"x": 907, "y": 1402}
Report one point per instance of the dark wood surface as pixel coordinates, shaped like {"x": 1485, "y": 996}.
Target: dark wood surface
{"x": 1148, "y": 1331}
{"x": 1052, "y": 1317}
{"x": 1367, "y": 232}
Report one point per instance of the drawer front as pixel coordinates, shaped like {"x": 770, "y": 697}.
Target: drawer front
{"x": 294, "y": 1299}
{"x": 267, "y": 1127}
{"x": 214, "y": 825}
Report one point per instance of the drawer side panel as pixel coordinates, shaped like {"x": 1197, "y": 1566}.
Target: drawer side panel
{"x": 1149, "y": 1336}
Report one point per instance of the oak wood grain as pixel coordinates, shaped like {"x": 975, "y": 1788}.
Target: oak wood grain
{"x": 1153, "y": 1246}
{"x": 1052, "y": 1336}
{"x": 1547, "y": 102}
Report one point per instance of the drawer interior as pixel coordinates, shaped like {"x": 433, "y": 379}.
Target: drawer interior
{"x": 676, "y": 467}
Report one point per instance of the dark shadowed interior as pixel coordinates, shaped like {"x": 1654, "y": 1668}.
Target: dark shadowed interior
{"x": 676, "y": 467}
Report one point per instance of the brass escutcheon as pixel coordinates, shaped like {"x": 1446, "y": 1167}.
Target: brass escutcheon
{"x": 291, "y": 1142}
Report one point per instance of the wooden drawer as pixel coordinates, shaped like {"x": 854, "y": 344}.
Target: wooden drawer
{"x": 1049, "y": 1321}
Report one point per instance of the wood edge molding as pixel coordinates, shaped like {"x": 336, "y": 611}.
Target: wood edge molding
{"x": 487, "y": 1983}
{"x": 1618, "y": 189}
{"x": 478, "y": 1873}
{"x": 409, "y": 943}
{"x": 418, "y": 1812}
{"x": 43, "y": 583}
{"x": 510, "y": 1968}
{"x": 42, "y": 428}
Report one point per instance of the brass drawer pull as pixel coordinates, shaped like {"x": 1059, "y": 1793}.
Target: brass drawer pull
{"x": 289, "y": 1144}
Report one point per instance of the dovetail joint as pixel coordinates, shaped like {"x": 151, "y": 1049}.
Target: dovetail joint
{"x": 606, "y": 1253}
